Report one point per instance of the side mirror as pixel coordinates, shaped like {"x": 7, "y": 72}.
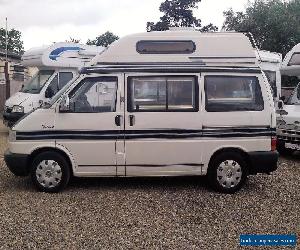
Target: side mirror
{"x": 49, "y": 93}
{"x": 64, "y": 106}
{"x": 41, "y": 103}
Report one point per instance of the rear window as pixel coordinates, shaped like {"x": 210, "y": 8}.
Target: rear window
{"x": 295, "y": 60}
{"x": 165, "y": 47}
{"x": 233, "y": 93}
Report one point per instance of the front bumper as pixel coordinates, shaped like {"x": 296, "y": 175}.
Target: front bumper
{"x": 17, "y": 163}
{"x": 263, "y": 162}
{"x": 10, "y": 119}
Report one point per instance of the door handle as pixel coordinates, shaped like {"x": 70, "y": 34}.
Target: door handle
{"x": 131, "y": 120}
{"x": 118, "y": 119}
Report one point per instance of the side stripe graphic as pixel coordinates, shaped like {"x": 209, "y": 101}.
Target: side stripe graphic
{"x": 146, "y": 134}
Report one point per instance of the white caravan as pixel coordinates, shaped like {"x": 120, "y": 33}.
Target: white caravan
{"x": 289, "y": 117}
{"x": 58, "y": 64}
{"x": 171, "y": 103}
{"x": 270, "y": 63}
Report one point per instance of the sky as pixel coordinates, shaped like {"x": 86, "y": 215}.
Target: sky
{"x": 43, "y": 22}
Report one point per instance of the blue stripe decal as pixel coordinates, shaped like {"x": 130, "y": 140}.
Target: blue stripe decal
{"x": 57, "y": 52}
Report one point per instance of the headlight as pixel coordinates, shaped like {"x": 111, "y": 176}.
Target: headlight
{"x": 12, "y": 135}
{"x": 17, "y": 109}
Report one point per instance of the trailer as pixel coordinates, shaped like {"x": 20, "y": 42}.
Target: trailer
{"x": 288, "y": 118}
{"x": 270, "y": 63}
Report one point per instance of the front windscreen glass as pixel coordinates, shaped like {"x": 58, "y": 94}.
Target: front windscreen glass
{"x": 36, "y": 83}
{"x": 290, "y": 90}
{"x": 60, "y": 92}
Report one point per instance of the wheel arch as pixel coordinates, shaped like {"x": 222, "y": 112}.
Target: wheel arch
{"x": 237, "y": 150}
{"x": 52, "y": 149}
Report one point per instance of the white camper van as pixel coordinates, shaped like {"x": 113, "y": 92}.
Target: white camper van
{"x": 57, "y": 65}
{"x": 171, "y": 103}
{"x": 270, "y": 63}
{"x": 289, "y": 117}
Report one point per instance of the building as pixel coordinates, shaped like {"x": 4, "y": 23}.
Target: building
{"x": 18, "y": 74}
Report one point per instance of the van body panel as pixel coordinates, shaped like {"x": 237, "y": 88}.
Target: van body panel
{"x": 166, "y": 170}
{"x": 40, "y": 121}
{"x": 28, "y": 146}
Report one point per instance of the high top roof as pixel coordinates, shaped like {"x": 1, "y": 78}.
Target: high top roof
{"x": 60, "y": 55}
{"x": 291, "y": 63}
{"x": 227, "y": 49}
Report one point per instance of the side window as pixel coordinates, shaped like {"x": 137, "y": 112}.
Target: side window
{"x": 52, "y": 88}
{"x": 163, "y": 94}
{"x": 95, "y": 95}
{"x": 165, "y": 47}
{"x": 233, "y": 93}
{"x": 64, "y": 78}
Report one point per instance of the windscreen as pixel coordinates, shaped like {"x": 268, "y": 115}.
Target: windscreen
{"x": 36, "y": 83}
{"x": 62, "y": 91}
{"x": 290, "y": 89}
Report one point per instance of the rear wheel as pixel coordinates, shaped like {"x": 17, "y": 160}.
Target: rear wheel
{"x": 50, "y": 172}
{"x": 227, "y": 172}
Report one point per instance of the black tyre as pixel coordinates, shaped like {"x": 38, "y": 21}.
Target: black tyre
{"x": 227, "y": 172}
{"x": 50, "y": 172}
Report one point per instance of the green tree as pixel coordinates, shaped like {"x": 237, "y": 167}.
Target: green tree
{"x": 103, "y": 40}
{"x": 273, "y": 23}
{"x": 15, "y": 43}
{"x": 179, "y": 13}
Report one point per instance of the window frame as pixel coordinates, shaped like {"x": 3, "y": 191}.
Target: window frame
{"x": 49, "y": 85}
{"x": 165, "y": 52}
{"x": 166, "y": 110}
{"x": 95, "y": 79}
{"x": 231, "y": 110}
{"x": 274, "y": 91}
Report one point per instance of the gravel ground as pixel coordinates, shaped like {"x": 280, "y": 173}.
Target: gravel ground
{"x": 145, "y": 213}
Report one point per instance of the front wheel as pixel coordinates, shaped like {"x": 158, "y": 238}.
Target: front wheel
{"x": 227, "y": 172}
{"x": 50, "y": 172}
